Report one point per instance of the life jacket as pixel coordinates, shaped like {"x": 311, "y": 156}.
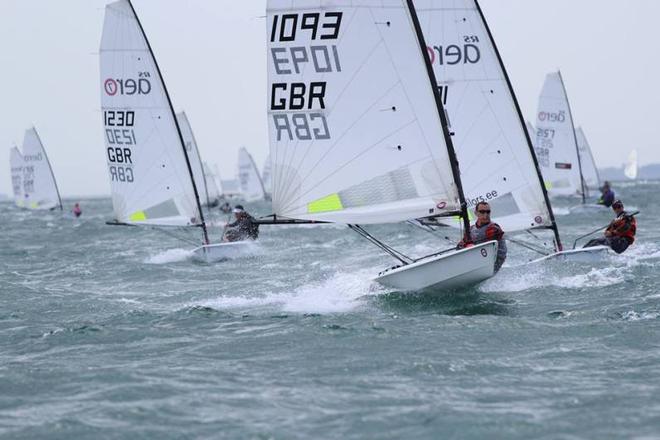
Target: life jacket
{"x": 624, "y": 226}
{"x": 484, "y": 233}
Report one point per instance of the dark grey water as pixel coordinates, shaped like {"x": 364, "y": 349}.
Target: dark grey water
{"x": 110, "y": 332}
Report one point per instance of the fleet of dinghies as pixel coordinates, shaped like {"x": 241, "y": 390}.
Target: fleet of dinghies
{"x": 379, "y": 112}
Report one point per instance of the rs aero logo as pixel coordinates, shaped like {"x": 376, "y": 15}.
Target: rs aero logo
{"x": 128, "y": 86}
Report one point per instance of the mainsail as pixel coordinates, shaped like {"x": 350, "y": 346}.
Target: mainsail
{"x": 39, "y": 186}
{"x": 357, "y": 134}
{"x": 150, "y": 173}
{"x": 16, "y": 168}
{"x": 589, "y": 169}
{"x": 252, "y": 188}
{"x": 194, "y": 157}
{"x": 494, "y": 149}
{"x": 556, "y": 143}
{"x": 631, "y": 166}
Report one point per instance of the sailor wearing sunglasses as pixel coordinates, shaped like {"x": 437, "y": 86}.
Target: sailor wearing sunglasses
{"x": 484, "y": 230}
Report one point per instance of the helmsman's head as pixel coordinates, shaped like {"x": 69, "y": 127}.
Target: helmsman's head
{"x": 239, "y": 211}
{"x": 483, "y": 212}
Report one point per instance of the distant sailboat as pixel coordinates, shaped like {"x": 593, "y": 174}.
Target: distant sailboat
{"x": 631, "y": 169}
{"x": 16, "y": 169}
{"x": 211, "y": 182}
{"x": 266, "y": 177}
{"x": 38, "y": 188}
{"x": 151, "y": 175}
{"x": 195, "y": 159}
{"x": 252, "y": 187}
{"x": 589, "y": 169}
{"x": 556, "y": 141}
{"x": 370, "y": 143}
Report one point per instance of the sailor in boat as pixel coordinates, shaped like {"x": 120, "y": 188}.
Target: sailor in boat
{"x": 225, "y": 207}
{"x": 607, "y": 195}
{"x": 484, "y": 230}
{"x": 243, "y": 228}
{"x": 77, "y": 211}
{"x": 620, "y": 233}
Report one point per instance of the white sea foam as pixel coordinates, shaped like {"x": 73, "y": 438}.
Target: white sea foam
{"x": 169, "y": 256}
{"x": 639, "y": 316}
{"x": 561, "y": 211}
{"x": 520, "y": 279}
{"x": 339, "y": 293}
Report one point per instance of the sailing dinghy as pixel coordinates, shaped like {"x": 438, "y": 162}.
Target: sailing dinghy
{"x": 358, "y": 133}
{"x": 252, "y": 187}
{"x": 556, "y": 141}
{"x": 631, "y": 168}
{"x": 492, "y": 140}
{"x": 33, "y": 180}
{"x": 266, "y": 175}
{"x": 589, "y": 169}
{"x": 589, "y": 173}
{"x": 16, "y": 170}
{"x": 195, "y": 158}
{"x": 151, "y": 175}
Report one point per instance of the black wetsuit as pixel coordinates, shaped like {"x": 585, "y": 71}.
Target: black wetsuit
{"x": 243, "y": 228}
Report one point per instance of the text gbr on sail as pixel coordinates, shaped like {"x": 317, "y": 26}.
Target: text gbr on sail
{"x": 297, "y": 106}
{"x": 120, "y": 138}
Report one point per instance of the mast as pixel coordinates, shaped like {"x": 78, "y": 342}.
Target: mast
{"x": 443, "y": 122}
{"x": 577, "y": 149}
{"x": 176, "y": 123}
{"x": 555, "y": 229}
{"x": 591, "y": 155}
{"x": 50, "y": 168}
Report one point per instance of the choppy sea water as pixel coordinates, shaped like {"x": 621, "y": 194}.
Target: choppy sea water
{"x": 113, "y": 332}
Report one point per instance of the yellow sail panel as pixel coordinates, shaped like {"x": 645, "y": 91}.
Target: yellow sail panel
{"x": 329, "y": 203}
{"x": 138, "y": 216}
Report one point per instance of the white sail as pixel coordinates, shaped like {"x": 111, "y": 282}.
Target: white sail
{"x": 252, "y": 188}
{"x": 211, "y": 184}
{"x": 39, "y": 186}
{"x": 355, "y": 134}
{"x": 489, "y": 135}
{"x": 589, "y": 169}
{"x": 149, "y": 173}
{"x": 631, "y": 168}
{"x": 194, "y": 157}
{"x": 16, "y": 168}
{"x": 556, "y": 148}
{"x": 266, "y": 176}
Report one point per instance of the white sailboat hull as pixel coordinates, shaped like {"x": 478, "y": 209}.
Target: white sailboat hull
{"x": 452, "y": 270}
{"x": 585, "y": 255}
{"x": 211, "y": 253}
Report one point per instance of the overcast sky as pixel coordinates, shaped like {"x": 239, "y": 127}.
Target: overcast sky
{"x": 212, "y": 55}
